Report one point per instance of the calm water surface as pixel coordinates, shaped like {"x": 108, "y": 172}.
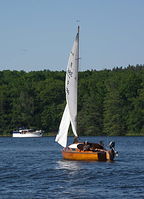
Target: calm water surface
{"x": 32, "y": 168}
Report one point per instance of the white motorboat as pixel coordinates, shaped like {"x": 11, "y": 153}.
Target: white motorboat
{"x": 22, "y": 132}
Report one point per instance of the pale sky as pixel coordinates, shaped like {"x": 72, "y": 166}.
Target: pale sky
{"x": 38, "y": 34}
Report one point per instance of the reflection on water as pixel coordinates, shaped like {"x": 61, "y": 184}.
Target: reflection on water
{"x": 68, "y": 165}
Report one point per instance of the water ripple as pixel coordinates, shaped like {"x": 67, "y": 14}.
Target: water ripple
{"x": 34, "y": 169}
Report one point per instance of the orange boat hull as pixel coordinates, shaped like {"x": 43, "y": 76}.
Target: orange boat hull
{"x": 102, "y": 155}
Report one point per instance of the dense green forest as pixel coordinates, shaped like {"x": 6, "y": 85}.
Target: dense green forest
{"x": 110, "y": 102}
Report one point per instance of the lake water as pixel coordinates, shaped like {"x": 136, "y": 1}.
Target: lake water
{"x": 32, "y": 168}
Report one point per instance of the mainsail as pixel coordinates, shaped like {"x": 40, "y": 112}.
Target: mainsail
{"x": 70, "y": 112}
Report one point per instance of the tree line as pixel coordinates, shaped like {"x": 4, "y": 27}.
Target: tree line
{"x": 110, "y": 102}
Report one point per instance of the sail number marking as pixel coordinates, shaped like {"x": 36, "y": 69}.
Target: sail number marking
{"x": 67, "y": 90}
{"x": 69, "y": 73}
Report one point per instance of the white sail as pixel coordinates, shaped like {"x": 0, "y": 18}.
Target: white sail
{"x": 70, "y": 112}
{"x": 71, "y": 83}
{"x": 61, "y": 137}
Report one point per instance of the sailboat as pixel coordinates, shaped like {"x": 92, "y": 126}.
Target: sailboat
{"x": 77, "y": 150}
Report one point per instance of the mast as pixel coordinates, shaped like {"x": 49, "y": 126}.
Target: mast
{"x": 77, "y": 66}
{"x": 78, "y": 43}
